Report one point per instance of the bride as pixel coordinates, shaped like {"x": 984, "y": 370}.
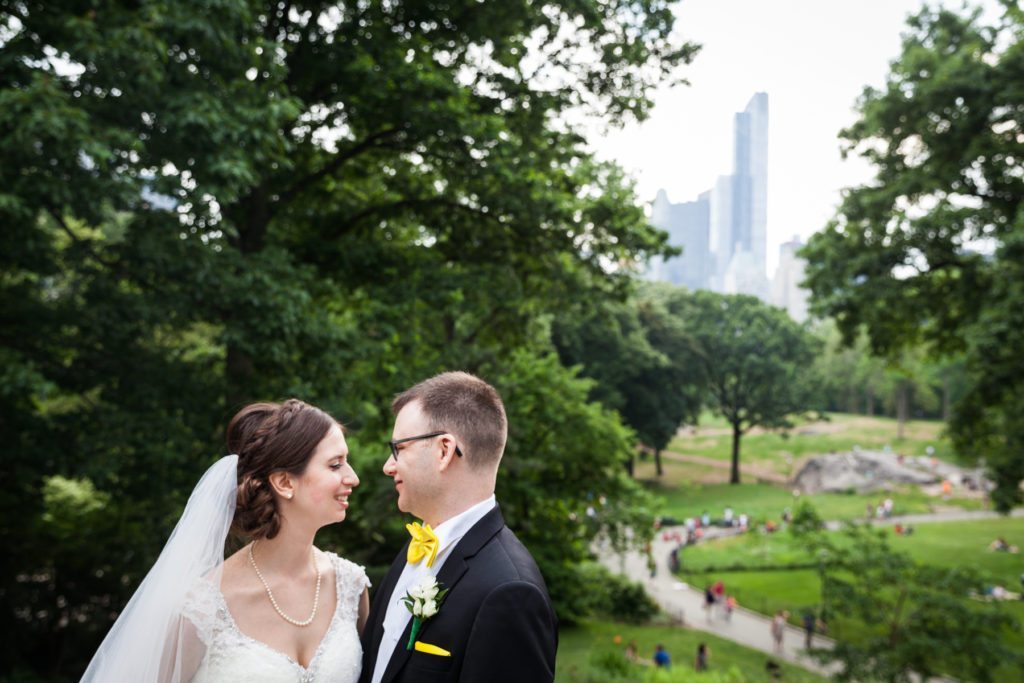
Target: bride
{"x": 277, "y": 610}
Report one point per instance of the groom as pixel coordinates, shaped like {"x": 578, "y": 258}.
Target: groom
{"x": 496, "y": 623}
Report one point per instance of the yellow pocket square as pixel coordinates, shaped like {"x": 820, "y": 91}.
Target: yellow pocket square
{"x": 429, "y": 649}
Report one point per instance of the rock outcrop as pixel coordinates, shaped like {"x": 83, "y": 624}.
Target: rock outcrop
{"x": 863, "y": 472}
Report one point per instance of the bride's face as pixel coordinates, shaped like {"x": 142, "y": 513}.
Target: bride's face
{"x": 321, "y": 493}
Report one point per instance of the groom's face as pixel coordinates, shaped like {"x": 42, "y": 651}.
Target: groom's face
{"x": 415, "y": 470}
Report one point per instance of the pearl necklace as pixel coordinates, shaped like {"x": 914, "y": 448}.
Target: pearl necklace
{"x": 273, "y": 601}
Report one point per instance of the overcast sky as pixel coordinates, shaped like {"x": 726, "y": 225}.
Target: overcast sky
{"x": 812, "y": 57}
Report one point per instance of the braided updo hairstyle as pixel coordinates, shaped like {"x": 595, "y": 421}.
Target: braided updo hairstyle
{"x": 268, "y": 438}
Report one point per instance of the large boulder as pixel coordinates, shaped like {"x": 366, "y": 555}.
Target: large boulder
{"x": 860, "y": 471}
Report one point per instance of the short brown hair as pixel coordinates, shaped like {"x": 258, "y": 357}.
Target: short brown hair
{"x": 268, "y": 438}
{"x": 466, "y": 406}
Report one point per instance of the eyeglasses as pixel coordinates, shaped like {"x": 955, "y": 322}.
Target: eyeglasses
{"x": 394, "y": 443}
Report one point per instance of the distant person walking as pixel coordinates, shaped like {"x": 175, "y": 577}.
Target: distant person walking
{"x": 778, "y": 629}
{"x": 809, "y": 621}
{"x": 703, "y": 655}
{"x": 709, "y": 600}
{"x": 730, "y": 605}
{"x": 719, "y": 592}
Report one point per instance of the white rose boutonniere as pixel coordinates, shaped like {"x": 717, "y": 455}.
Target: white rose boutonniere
{"x": 424, "y": 601}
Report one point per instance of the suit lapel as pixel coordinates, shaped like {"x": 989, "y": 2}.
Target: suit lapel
{"x": 455, "y": 567}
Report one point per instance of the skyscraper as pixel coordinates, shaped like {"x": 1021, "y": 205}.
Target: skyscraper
{"x": 786, "y": 290}
{"x": 757, "y": 113}
{"x": 721, "y": 229}
{"x": 749, "y": 191}
{"x": 688, "y": 226}
{"x": 724, "y": 234}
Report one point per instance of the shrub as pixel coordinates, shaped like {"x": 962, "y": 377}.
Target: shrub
{"x": 616, "y": 597}
{"x": 806, "y": 520}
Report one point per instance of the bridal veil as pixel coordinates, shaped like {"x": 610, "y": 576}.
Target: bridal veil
{"x": 151, "y": 642}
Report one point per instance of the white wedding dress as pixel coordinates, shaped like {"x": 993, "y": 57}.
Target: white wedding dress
{"x": 233, "y": 656}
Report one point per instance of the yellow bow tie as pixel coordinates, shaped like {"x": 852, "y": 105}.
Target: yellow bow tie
{"x": 424, "y": 544}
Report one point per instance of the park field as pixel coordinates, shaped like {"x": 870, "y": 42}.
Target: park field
{"x": 696, "y": 469}
{"x": 942, "y": 544}
{"x": 770, "y": 572}
{"x": 764, "y": 502}
{"x": 579, "y": 644}
{"x": 783, "y": 451}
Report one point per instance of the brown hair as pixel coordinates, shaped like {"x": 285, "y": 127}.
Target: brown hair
{"x": 268, "y": 438}
{"x": 466, "y": 406}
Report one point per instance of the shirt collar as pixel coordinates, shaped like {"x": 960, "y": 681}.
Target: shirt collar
{"x": 451, "y": 531}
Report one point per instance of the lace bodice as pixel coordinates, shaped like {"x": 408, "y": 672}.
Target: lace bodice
{"x": 233, "y": 656}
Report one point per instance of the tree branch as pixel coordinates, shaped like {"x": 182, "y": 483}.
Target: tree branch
{"x": 368, "y": 211}
{"x": 373, "y": 141}
{"x": 78, "y": 242}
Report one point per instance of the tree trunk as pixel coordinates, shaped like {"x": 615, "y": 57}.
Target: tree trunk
{"x": 869, "y": 403}
{"x": 851, "y": 399}
{"x": 252, "y": 217}
{"x": 945, "y": 399}
{"x": 629, "y": 465}
{"x": 734, "y": 476}
{"x": 657, "y": 462}
{"x": 902, "y": 407}
{"x": 239, "y": 369}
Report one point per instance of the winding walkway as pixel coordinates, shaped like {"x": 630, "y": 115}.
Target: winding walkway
{"x": 686, "y": 604}
{"x": 746, "y": 627}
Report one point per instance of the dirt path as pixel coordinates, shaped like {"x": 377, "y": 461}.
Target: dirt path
{"x": 809, "y": 428}
{"x": 759, "y": 472}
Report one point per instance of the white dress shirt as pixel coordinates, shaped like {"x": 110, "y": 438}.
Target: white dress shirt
{"x": 397, "y": 616}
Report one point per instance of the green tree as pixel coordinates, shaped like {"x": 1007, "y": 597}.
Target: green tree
{"x": 931, "y": 252}
{"x": 921, "y": 621}
{"x": 632, "y": 350}
{"x": 851, "y": 378}
{"x": 755, "y": 362}
{"x": 210, "y": 202}
{"x": 557, "y": 437}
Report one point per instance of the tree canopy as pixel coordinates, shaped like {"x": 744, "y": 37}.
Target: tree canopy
{"x": 636, "y": 350}
{"x": 208, "y": 203}
{"x": 755, "y": 362}
{"x": 922, "y": 621}
{"x": 930, "y": 251}
{"x": 667, "y": 353}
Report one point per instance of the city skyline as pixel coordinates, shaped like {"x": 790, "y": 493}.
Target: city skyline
{"x": 813, "y": 59}
{"x": 722, "y": 233}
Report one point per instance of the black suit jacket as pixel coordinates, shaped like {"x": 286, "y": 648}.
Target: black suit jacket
{"x": 497, "y": 620}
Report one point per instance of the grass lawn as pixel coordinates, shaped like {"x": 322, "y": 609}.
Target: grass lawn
{"x": 766, "y": 501}
{"x": 966, "y": 543}
{"x": 796, "y": 590}
{"x": 943, "y": 544}
{"x": 748, "y": 551}
{"x": 579, "y": 643}
{"x": 680, "y": 473}
{"x": 689, "y": 488}
{"x": 839, "y": 433}
{"x": 768, "y": 592}
{"x": 939, "y": 544}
